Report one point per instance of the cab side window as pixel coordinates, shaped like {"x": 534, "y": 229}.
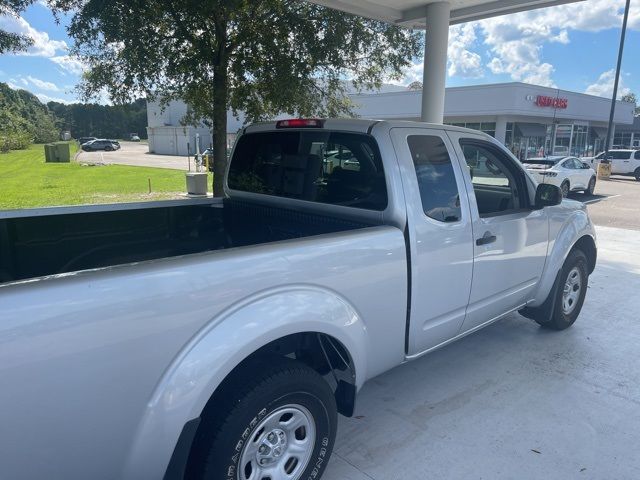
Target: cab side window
{"x": 436, "y": 178}
{"x": 498, "y": 184}
{"x": 637, "y": 155}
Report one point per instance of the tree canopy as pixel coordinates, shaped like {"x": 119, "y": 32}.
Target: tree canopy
{"x": 24, "y": 119}
{"x": 262, "y": 57}
{"x": 11, "y": 42}
{"x": 103, "y": 121}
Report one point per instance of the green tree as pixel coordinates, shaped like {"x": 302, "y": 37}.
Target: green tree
{"x": 24, "y": 119}
{"x": 104, "y": 121}
{"x": 12, "y": 42}
{"x": 631, "y": 98}
{"x": 262, "y": 57}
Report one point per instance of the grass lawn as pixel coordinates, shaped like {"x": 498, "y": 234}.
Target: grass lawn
{"x": 27, "y": 181}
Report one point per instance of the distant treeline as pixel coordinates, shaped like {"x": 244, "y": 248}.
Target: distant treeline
{"x": 24, "y": 119}
{"x": 102, "y": 121}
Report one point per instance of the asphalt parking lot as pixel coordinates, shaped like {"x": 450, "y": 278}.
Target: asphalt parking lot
{"x": 515, "y": 401}
{"x": 615, "y": 203}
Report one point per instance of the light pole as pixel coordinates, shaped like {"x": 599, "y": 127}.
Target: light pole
{"x": 615, "y": 83}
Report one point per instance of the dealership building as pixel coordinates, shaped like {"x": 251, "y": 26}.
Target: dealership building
{"x": 530, "y": 120}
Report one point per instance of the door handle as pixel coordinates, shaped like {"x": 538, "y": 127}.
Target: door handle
{"x": 486, "y": 239}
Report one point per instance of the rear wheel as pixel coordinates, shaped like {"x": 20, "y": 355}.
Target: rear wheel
{"x": 592, "y": 186}
{"x": 637, "y": 174}
{"x": 570, "y": 290}
{"x": 565, "y": 188}
{"x": 276, "y": 422}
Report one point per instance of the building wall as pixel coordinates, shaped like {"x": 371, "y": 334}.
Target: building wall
{"x": 507, "y": 99}
{"x": 167, "y": 135}
{"x": 502, "y": 104}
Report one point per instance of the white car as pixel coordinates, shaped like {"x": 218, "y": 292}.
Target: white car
{"x": 568, "y": 173}
{"x": 623, "y": 162}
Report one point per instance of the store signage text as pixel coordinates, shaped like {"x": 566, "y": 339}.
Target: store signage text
{"x": 545, "y": 101}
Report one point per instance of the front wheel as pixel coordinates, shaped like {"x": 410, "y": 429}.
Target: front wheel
{"x": 592, "y": 186}
{"x": 570, "y": 290}
{"x": 277, "y": 423}
{"x": 637, "y": 174}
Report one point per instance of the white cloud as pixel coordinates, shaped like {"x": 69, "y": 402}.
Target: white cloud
{"x": 515, "y": 41}
{"x": 69, "y": 64}
{"x": 462, "y": 62}
{"x": 41, "y": 84}
{"x": 603, "y": 87}
{"x": 43, "y": 46}
{"x": 46, "y": 98}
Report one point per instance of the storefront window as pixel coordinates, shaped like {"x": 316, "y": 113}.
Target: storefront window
{"x": 579, "y": 142}
{"x": 562, "y": 142}
{"x": 622, "y": 140}
{"x": 487, "y": 127}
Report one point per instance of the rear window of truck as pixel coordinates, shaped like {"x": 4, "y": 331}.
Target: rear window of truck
{"x": 338, "y": 168}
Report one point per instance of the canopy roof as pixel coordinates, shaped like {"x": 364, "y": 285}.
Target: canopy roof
{"x": 411, "y": 13}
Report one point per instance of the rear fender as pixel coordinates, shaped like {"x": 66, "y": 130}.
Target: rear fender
{"x": 224, "y": 343}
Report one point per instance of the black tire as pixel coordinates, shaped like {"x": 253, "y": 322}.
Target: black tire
{"x": 592, "y": 186}
{"x": 254, "y": 396}
{"x": 560, "y": 318}
{"x": 565, "y": 189}
{"x": 637, "y": 174}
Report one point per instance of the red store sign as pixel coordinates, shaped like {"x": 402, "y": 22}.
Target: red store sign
{"x": 555, "y": 102}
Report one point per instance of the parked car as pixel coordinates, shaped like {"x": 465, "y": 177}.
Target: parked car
{"x": 134, "y": 137}
{"x": 568, "y": 173}
{"x": 101, "y": 144}
{"x": 83, "y": 140}
{"x": 623, "y": 162}
{"x": 218, "y": 338}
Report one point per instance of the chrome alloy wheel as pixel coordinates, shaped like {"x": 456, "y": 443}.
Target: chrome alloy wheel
{"x": 571, "y": 291}
{"x": 280, "y": 446}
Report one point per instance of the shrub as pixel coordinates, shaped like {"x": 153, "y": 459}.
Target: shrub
{"x": 16, "y": 140}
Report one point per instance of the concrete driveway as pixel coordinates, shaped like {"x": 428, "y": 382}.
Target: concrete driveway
{"x": 514, "y": 401}
{"x": 137, "y": 155}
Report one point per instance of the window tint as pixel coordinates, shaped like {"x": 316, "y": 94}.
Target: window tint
{"x": 498, "y": 184}
{"x": 637, "y": 155}
{"x": 436, "y": 178}
{"x": 578, "y": 165}
{"x": 620, "y": 155}
{"x": 568, "y": 164}
{"x": 320, "y": 166}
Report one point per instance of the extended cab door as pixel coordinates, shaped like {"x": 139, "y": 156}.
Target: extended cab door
{"x": 510, "y": 237}
{"x": 439, "y": 236}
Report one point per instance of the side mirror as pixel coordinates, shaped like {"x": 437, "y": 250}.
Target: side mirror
{"x": 547, "y": 195}
{"x": 585, "y": 165}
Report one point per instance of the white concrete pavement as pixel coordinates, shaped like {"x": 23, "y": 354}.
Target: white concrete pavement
{"x": 514, "y": 401}
{"x": 136, "y": 155}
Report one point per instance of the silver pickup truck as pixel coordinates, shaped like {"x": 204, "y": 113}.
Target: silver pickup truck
{"x": 219, "y": 338}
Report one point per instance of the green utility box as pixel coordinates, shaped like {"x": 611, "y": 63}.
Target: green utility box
{"x": 59, "y": 152}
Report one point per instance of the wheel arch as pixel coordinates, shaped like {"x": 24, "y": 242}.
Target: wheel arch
{"x": 291, "y": 322}
{"x": 575, "y": 231}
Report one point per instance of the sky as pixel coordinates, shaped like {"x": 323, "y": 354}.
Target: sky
{"x": 572, "y": 47}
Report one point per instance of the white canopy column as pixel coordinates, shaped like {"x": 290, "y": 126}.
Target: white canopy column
{"x": 435, "y": 61}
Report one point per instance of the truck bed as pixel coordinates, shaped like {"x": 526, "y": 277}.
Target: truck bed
{"x": 56, "y": 243}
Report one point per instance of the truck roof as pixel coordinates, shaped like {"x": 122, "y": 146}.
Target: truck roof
{"x": 361, "y": 125}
